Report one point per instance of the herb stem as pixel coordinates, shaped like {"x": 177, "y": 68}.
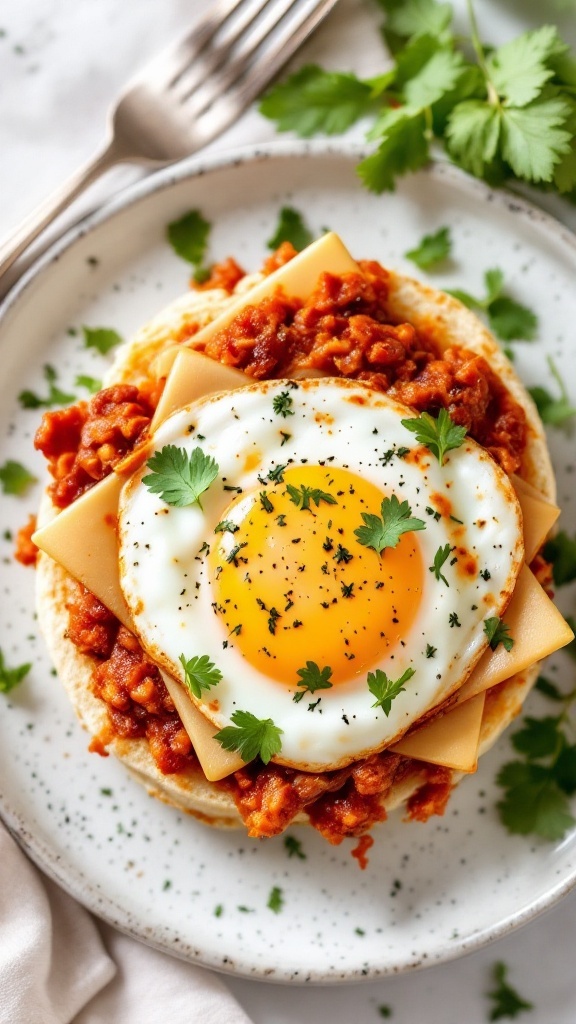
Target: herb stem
{"x": 493, "y": 97}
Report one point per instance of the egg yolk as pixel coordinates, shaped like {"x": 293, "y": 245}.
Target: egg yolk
{"x": 292, "y": 583}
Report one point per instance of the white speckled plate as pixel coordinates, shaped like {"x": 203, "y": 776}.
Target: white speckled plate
{"x": 431, "y": 892}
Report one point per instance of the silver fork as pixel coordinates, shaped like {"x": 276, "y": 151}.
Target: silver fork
{"x": 187, "y": 95}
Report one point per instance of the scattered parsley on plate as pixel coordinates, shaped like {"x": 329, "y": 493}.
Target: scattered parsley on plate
{"x": 55, "y": 396}
{"x": 498, "y": 633}
{"x": 555, "y": 412}
{"x": 188, "y": 237}
{"x": 11, "y": 677}
{"x": 15, "y": 478}
{"x": 506, "y": 1002}
{"x": 291, "y": 228}
{"x": 103, "y": 339}
{"x": 431, "y": 250}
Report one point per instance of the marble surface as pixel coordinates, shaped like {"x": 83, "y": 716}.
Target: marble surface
{"x": 61, "y": 62}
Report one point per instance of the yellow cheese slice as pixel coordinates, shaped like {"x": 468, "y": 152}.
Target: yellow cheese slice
{"x": 296, "y": 279}
{"x": 216, "y": 762}
{"x": 537, "y": 628}
{"x": 538, "y": 516}
{"x": 192, "y": 376}
{"x": 451, "y": 740}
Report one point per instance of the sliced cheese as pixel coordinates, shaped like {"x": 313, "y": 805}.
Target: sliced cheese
{"x": 192, "y": 376}
{"x": 538, "y": 516}
{"x": 537, "y": 628}
{"x": 450, "y": 740}
{"x": 83, "y": 539}
{"x": 296, "y": 279}
{"x": 216, "y": 762}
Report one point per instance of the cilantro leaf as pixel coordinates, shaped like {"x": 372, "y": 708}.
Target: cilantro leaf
{"x": 101, "y": 338}
{"x": 291, "y": 228}
{"x": 226, "y": 526}
{"x": 439, "y": 559}
{"x": 275, "y": 899}
{"x": 92, "y": 384}
{"x": 473, "y": 135}
{"x": 15, "y": 478}
{"x": 188, "y": 237}
{"x": 312, "y": 678}
{"x": 511, "y": 321}
{"x": 29, "y": 400}
{"x": 313, "y": 101}
{"x": 561, "y": 551}
{"x": 199, "y": 673}
{"x": 403, "y": 147}
{"x": 251, "y": 737}
{"x": 431, "y": 250}
{"x": 553, "y": 411}
{"x": 302, "y": 496}
{"x": 534, "y": 138}
{"x": 519, "y": 69}
{"x": 498, "y": 633}
{"x": 180, "y": 478}
{"x": 385, "y": 530}
{"x": 506, "y": 1001}
{"x": 10, "y": 677}
{"x": 385, "y": 689}
{"x": 412, "y": 18}
{"x": 438, "y": 434}
{"x": 533, "y": 804}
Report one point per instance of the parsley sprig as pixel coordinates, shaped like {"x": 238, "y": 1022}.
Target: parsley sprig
{"x": 179, "y": 478}
{"x": 561, "y": 552}
{"x": 439, "y": 434}
{"x": 439, "y": 559}
{"x": 15, "y": 478}
{"x": 385, "y": 530}
{"x": 555, "y": 412}
{"x": 199, "y": 673}
{"x": 431, "y": 250}
{"x": 251, "y": 737}
{"x": 385, "y": 689}
{"x": 508, "y": 319}
{"x": 55, "y": 396}
{"x": 500, "y": 113}
{"x": 291, "y": 227}
{"x": 498, "y": 633}
{"x": 312, "y": 678}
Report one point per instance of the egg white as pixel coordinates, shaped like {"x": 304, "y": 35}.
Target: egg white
{"x": 165, "y": 578}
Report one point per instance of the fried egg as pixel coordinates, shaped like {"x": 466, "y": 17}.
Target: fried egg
{"x": 277, "y": 577}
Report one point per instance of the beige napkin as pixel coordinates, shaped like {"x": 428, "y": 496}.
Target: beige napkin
{"x": 59, "y": 965}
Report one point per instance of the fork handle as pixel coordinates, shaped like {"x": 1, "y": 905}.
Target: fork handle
{"x": 49, "y": 209}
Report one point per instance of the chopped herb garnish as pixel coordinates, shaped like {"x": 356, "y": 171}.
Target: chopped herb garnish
{"x": 92, "y": 384}
{"x": 498, "y": 633}
{"x": 265, "y": 502}
{"x": 431, "y": 250}
{"x": 273, "y": 617}
{"x": 439, "y": 559}
{"x": 179, "y": 478}
{"x": 11, "y": 677}
{"x": 302, "y": 496}
{"x": 29, "y": 400}
{"x": 285, "y": 437}
{"x": 385, "y": 689}
{"x": 101, "y": 338}
{"x": 430, "y": 651}
{"x": 188, "y": 237}
{"x": 275, "y": 899}
{"x": 454, "y": 620}
{"x": 312, "y": 678}
{"x": 282, "y": 403}
{"x": 276, "y": 475}
{"x": 226, "y": 526}
{"x": 15, "y": 478}
{"x": 505, "y": 999}
{"x": 293, "y": 847}
{"x": 384, "y": 531}
{"x": 342, "y": 555}
{"x": 347, "y": 589}
{"x": 561, "y": 552}
{"x": 438, "y": 434}
{"x": 290, "y": 228}
{"x": 232, "y": 555}
{"x": 553, "y": 411}
{"x": 251, "y": 737}
{"x": 199, "y": 673}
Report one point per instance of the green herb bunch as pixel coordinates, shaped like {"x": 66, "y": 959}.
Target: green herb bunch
{"x": 500, "y": 113}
